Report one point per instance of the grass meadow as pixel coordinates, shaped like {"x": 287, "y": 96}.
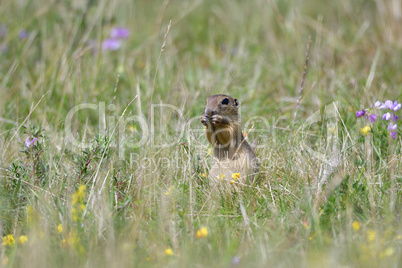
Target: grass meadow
{"x": 103, "y": 160}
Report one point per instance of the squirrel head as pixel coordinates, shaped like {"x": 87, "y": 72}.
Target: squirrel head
{"x": 223, "y": 105}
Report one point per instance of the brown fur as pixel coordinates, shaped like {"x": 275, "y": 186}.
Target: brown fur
{"x": 232, "y": 154}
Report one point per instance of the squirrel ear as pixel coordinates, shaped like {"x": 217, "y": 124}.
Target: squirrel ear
{"x": 236, "y": 102}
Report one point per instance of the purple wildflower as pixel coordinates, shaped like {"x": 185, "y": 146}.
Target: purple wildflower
{"x": 119, "y": 33}
{"x": 388, "y": 104}
{"x": 386, "y": 116}
{"x": 396, "y": 106}
{"x": 373, "y": 117}
{"x": 392, "y": 130}
{"x": 111, "y": 44}
{"x": 3, "y": 31}
{"x": 394, "y": 117}
{"x": 392, "y": 127}
{"x": 23, "y": 34}
{"x": 385, "y": 105}
{"x": 235, "y": 261}
{"x": 360, "y": 113}
{"x": 29, "y": 142}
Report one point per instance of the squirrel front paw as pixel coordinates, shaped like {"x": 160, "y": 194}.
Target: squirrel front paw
{"x": 204, "y": 120}
{"x": 219, "y": 120}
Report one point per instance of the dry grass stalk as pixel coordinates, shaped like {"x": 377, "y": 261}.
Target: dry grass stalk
{"x": 303, "y": 77}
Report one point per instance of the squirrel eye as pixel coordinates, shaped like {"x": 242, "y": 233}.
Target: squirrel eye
{"x": 225, "y": 101}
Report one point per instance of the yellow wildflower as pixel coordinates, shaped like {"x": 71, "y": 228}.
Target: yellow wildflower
{"x": 8, "y": 240}
{"x": 387, "y": 252}
{"x": 169, "y": 191}
{"x": 221, "y": 177}
{"x": 30, "y": 214}
{"x": 169, "y": 252}
{"x": 312, "y": 236}
{"x": 356, "y": 226}
{"x": 132, "y": 128}
{"x": 78, "y": 203}
{"x": 370, "y": 235}
{"x": 74, "y": 214}
{"x": 204, "y": 175}
{"x": 81, "y": 190}
{"x": 148, "y": 258}
{"x": 210, "y": 152}
{"x": 60, "y": 228}
{"x": 202, "y": 232}
{"x": 235, "y": 176}
{"x": 73, "y": 240}
{"x": 75, "y": 199}
{"x": 22, "y": 239}
{"x": 365, "y": 130}
{"x": 79, "y": 196}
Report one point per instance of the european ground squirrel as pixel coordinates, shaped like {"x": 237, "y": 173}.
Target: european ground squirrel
{"x": 233, "y": 157}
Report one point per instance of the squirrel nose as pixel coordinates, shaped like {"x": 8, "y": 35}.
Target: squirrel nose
{"x": 209, "y": 111}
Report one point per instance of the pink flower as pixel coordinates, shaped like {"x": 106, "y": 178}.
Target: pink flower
{"x": 29, "y": 142}
{"x": 119, "y": 33}
{"x": 111, "y": 44}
